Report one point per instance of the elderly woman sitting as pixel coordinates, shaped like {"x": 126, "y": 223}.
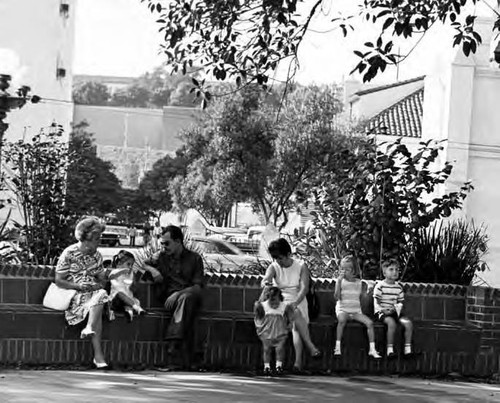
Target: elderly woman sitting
{"x": 80, "y": 267}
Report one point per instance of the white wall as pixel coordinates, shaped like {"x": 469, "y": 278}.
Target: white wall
{"x": 461, "y": 105}
{"x": 35, "y": 39}
{"x": 43, "y": 40}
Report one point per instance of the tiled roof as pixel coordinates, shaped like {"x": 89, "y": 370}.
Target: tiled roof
{"x": 387, "y": 86}
{"x": 403, "y": 119}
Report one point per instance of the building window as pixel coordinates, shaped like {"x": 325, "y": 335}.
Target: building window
{"x": 60, "y": 73}
{"x": 64, "y": 9}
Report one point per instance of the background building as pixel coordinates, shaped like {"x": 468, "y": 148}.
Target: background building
{"x": 37, "y": 46}
{"x": 133, "y": 139}
{"x": 456, "y": 102}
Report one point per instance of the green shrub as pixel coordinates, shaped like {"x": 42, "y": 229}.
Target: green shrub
{"x": 448, "y": 252}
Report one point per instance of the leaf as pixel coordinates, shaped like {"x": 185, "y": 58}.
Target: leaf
{"x": 387, "y": 23}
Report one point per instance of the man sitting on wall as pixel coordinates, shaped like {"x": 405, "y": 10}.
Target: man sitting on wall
{"x": 179, "y": 271}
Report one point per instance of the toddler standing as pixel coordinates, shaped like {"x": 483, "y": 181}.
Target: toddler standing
{"x": 273, "y": 323}
{"x": 388, "y": 298}
{"x": 348, "y": 290}
{"x": 121, "y": 286}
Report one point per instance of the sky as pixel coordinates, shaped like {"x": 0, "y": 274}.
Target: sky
{"x": 120, "y": 38}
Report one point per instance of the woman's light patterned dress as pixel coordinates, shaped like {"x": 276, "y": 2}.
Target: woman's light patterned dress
{"x": 81, "y": 269}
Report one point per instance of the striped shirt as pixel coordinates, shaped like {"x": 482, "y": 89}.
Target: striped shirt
{"x": 350, "y": 292}
{"x": 388, "y": 296}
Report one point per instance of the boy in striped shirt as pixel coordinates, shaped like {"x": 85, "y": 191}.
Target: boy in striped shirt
{"x": 388, "y": 297}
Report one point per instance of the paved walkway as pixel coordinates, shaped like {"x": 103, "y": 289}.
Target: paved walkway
{"x": 152, "y": 386}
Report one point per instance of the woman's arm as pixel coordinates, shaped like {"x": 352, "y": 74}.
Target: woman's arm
{"x": 305, "y": 277}
{"x": 62, "y": 281}
{"x": 269, "y": 276}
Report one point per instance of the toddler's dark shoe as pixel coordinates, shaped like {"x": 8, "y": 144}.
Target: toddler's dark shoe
{"x": 267, "y": 372}
{"x": 279, "y": 371}
{"x": 317, "y": 354}
{"x": 392, "y": 354}
{"x": 298, "y": 371}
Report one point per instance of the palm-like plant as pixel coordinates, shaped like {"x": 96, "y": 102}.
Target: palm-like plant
{"x": 447, "y": 252}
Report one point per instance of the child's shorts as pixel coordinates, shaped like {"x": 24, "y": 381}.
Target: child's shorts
{"x": 381, "y": 316}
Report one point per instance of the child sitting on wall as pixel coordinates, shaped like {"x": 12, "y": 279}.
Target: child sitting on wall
{"x": 348, "y": 288}
{"x": 121, "y": 295}
{"x": 273, "y": 323}
{"x": 388, "y": 299}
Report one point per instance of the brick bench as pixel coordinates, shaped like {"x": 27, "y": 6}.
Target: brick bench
{"x": 225, "y": 333}
{"x": 35, "y": 335}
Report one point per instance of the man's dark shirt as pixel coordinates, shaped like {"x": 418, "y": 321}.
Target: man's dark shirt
{"x": 178, "y": 274}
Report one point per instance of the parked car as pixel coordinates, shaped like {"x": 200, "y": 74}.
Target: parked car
{"x": 110, "y": 239}
{"x": 220, "y": 255}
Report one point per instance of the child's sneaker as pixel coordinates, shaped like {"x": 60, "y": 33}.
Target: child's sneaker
{"x": 129, "y": 313}
{"x": 374, "y": 354}
{"x": 337, "y": 351}
{"x": 279, "y": 371}
{"x": 267, "y": 372}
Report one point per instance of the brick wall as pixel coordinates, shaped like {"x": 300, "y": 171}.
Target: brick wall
{"x": 483, "y": 311}
{"x": 455, "y": 327}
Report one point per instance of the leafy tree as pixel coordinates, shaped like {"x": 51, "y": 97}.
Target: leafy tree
{"x": 154, "y": 193}
{"x": 183, "y": 96}
{"x": 92, "y": 187}
{"x": 38, "y": 180}
{"x": 376, "y": 202}
{"x": 133, "y": 96}
{"x": 228, "y": 156}
{"x": 238, "y": 153}
{"x": 91, "y": 93}
{"x": 133, "y": 209}
{"x": 246, "y": 41}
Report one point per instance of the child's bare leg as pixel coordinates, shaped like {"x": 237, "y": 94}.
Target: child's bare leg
{"x": 280, "y": 354}
{"x": 342, "y": 318}
{"x": 391, "y": 329}
{"x": 365, "y": 320}
{"x": 126, "y": 299}
{"x": 408, "y": 326}
{"x": 130, "y": 302}
{"x": 266, "y": 353}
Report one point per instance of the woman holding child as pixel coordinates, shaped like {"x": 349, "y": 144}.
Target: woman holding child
{"x": 291, "y": 276}
{"x": 80, "y": 267}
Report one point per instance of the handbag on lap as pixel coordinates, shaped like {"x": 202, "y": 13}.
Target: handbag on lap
{"x": 312, "y": 301}
{"x": 58, "y": 298}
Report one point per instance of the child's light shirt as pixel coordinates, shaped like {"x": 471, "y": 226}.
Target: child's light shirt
{"x": 274, "y": 325}
{"x": 388, "y": 296}
{"x": 349, "y": 302}
{"x": 122, "y": 284}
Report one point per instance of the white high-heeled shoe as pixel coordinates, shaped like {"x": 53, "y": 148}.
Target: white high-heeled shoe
{"x": 100, "y": 365}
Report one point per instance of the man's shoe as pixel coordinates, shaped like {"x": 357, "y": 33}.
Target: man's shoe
{"x": 267, "y": 372}
{"x": 279, "y": 371}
